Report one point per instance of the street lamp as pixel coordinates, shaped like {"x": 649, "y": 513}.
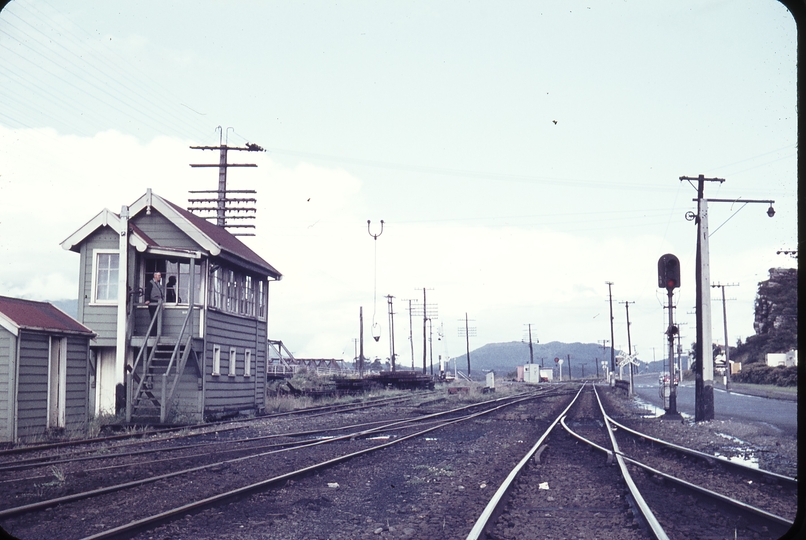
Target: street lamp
{"x": 376, "y": 328}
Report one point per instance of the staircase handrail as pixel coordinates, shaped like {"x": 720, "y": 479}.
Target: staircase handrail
{"x": 165, "y": 399}
{"x": 132, "y": 394}
{"x": 144, "y": 346}
{"x": 179, "y": 339}
{"x": 180, "y": 368}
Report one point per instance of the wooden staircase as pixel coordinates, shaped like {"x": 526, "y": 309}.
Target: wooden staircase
{"x": 153, "y": 377}
{"x": 146, "y": 404}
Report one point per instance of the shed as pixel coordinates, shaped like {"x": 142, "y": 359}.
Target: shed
{"x": 44, "y": 370}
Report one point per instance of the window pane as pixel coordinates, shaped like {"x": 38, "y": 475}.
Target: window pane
{"x": 106, "y": 278}
{"x": 261, "y": 299}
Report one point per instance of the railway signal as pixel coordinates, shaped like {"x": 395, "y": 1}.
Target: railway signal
{"x": 669, "y": 279}
{"x": 668, "y": 272}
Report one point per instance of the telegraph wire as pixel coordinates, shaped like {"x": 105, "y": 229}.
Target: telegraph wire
{"x": 90, "y": 45}
{"x": 56, "y": 98}
{"x": 79, "y": 89}
{"x": 135, "y": 111}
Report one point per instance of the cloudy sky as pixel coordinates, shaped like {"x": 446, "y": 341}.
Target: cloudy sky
{"x": 521, "y": 154}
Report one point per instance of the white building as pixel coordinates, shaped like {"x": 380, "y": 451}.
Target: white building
{"x": 787, "y": 359}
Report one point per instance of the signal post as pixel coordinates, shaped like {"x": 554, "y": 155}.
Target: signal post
{"x": 669, "y": 278}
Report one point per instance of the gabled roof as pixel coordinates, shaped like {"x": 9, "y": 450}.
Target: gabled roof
{"x": 215, "y": 240}
{"x": 17, "y": 314}
{"x": 107, "y": 218}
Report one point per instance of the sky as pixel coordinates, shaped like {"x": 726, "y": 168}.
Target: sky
{"x": 520, "y": 154}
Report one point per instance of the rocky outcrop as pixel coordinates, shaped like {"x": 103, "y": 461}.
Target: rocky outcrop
{"x": 776, "y": 317}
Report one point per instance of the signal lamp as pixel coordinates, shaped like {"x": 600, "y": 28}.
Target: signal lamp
{"x": 668, "y": 272}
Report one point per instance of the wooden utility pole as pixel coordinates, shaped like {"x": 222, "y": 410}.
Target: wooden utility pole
{"x": 629, "y": 343}
{"x": 725, "y": 326}
{"x": 411, "y": 334}
{"x": 431, "y": 345}
{"x": 612, "y": 341}
{"x": 531, "y": 348}
{"x": 426, "y": 315}
{"x": 391, "y": 330}
{"x": 361, "y": 339}
{"x": 222, "y": 205}
{"x": 569, "y": 367}
{"x": 467, "y": 331}
{"x": 467, "y": 341}
{"x": 425, "y": 319}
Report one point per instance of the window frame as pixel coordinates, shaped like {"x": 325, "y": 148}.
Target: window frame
{"x": 216, "y": 361}
{"x": 247, "y": 363}
{"x": 238, "y": 293}
{"x": 96, "y": 254}
{"x": 233, "y": 357}
{"x": 262, "y": 299}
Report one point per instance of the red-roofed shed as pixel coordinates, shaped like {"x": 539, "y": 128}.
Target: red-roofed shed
{"x": 44, "y": 370}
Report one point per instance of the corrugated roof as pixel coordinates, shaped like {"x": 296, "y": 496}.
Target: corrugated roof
{"x": 228, "y": 242}
{"x": 30, "y": 315}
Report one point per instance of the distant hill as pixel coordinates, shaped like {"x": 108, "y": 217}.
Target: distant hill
{"x": 503, "y": 358}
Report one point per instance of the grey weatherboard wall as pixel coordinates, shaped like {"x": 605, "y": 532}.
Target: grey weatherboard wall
{"x": 32, "y": 383}
{"x": 224, "y": 392}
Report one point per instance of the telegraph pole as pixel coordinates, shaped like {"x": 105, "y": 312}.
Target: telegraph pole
{"x": 612, "y": 341}
{"x": 223, "y": 204}
{"x": 391, "y": 330}
{"x": 467, "y": 330}
{"x": 604, "y": 351}
{"x": 629, "y": 343}
{"x": 704, "y": 375}
{"x": 725, "y": 326}
{"x": 531, "y": 349}
{"x": 467, "y": 341}
{"x": 411, "y": 335}
{"x": 361, "y": 339}
{"x": 426, "y": 316}
{"x": 431, "y": 344}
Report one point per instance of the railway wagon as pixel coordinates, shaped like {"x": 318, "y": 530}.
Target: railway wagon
{"x": 44, "y": 370}
{"x": 203, "y": 352}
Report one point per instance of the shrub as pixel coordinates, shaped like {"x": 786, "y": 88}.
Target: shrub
{"x": 763, "y": 374}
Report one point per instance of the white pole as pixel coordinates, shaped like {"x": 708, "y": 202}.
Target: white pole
{"x": 123, "y": 266}
{"x": 707, "y": 407}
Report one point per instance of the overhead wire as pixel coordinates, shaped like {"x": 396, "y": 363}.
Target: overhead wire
{"x": 158, "y": 93}
{"x": 134, "y": 105}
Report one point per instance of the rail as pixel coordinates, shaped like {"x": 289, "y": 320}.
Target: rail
{"x": 491, "y": 510}
{"x": 653, "y": 523}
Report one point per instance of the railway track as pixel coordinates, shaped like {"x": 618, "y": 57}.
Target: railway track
{"x": 134, "y": 435}
{"x": 248, "y": 482}
{"x": 595, "y": 475}
{"x": 258, "y": 468}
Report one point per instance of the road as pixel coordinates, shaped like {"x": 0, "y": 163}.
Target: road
{"x": 727, "y": 405}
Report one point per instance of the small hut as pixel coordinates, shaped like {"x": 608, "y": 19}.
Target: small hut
{"x": 44, "y": 370}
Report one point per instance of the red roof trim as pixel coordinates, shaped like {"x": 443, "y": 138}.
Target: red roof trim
{"x": 31, "y": 315}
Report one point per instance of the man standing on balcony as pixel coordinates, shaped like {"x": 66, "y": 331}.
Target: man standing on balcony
{"x": 154, "y": 295}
